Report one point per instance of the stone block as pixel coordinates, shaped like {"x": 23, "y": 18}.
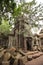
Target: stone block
{"x": 6, "y": 56}
{"x": 23, "y": 59}
{"x": 29, "y": 57}
{"x": 36, "y": 55}
{"x": 15, "y": 62}
{"x": 21, "y": 62}
{"x": 5, "y": 62}
{"x": 21, "y": 52}
{"x": 18, "y": 56}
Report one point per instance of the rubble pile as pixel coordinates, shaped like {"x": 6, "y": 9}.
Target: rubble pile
{"x": 13, "y": 57}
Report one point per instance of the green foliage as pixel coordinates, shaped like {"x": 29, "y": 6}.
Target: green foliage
{"x": 5, "y": 7}
{"x": 31, "y": 14}
{"x": 29, "y": 9}
{"x": 0, "y": 20}
{"x": 17, "y": 11}
{"x": 33, "y": 11}
{"x": 5, "y": 27}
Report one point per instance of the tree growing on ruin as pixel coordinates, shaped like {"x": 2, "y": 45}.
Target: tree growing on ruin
{"x": 32, "y": 13}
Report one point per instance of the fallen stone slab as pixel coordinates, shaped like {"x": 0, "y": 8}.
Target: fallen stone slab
{"x": 1, "y": 54}
{"x": 22, "y": 53}
{"x": 35, "y": 55}
{"x": 36, "y": 51}
{"x": 29, "y": 57}
{"x": 1, "y": 49}
{"x": 31, "y": 52}
{"x": 18, "y": 56}
{"x": 12, "y": 50}
{"x": 41, "y": 53}
{"x": 21, "y": 59}
{"x": 5, "y": 63}
{"x": 24, "y": 59}
{"x": 6, "y": 56}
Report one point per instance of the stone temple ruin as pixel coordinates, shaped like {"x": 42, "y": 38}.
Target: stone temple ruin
{"x": 38, "y": 40}
{"x": 3, "y": 40}
{"x": 19, "y": 40}
{"x": 19, "y": 47}
{"x": 25, "y": 42}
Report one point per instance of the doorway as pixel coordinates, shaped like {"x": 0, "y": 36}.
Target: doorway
{"x": 28, "y": 44}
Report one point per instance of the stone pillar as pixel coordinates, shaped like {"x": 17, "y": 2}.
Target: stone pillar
{"x": 19, "y": 42}
{"x": 37, "y": 42}
{"x": 32, "y": 43}
{"x": 16, "y": 39}
{"x": 19, "y": 33}
{"x": 25, "y": 45}
{"x": 40, "y": 42}
{"x": 10, "y": 42}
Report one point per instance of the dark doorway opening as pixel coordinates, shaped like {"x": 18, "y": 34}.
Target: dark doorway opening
{"x": 29, "y": 44}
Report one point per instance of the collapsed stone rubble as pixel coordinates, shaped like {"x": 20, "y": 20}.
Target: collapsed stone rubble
{"x": 13, "y": 57}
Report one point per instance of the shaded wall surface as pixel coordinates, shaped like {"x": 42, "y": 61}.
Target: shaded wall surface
{"x": 3, "y": 41}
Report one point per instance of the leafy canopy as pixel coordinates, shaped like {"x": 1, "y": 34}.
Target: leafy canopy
{"x": 5, "y": 27}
